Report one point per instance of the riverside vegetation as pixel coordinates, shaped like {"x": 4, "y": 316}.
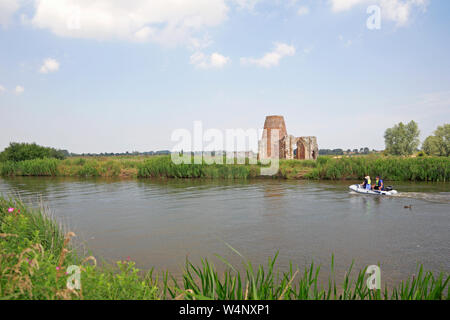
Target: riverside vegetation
{"x": 35, "y": 254}
{"x": 394, "y": 168}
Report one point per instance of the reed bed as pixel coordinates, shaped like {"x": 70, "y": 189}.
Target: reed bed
{"x": 36, "y": 167}
{"x": 35, "y": 254}
{"x": 266, "y": 283}
{"x": 163, "y": 167}
{"x": 436, "y": 169}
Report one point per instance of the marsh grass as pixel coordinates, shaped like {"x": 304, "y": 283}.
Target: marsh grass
{"x": 36, "y": 167}
{"x": 258, "y": 283}
{"x": 324, "y": 168}
{"x": 35, "y": 254}
{"x": 163, "y": 167}
{"x": 436, "y": 169}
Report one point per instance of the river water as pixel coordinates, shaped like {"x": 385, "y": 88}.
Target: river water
{"x": 159, "y": 223}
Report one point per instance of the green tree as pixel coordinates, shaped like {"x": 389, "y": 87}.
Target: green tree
{"x": 439, "y": 144}
{"x": 402, "y": 139}
{"x": 28, "y": 151}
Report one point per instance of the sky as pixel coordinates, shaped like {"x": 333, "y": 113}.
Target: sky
{"x": 115, "y": 76}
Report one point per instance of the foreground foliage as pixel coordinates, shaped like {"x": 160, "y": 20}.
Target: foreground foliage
{"x": 35, "y": 256}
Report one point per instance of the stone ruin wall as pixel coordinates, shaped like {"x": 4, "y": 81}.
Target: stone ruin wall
{"x": 307, "y": 148}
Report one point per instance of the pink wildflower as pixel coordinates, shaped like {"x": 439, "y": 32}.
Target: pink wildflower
{"x": 57, "y": 268}
{"x": 11, "y": 210}
{"x": 128, "y": 258}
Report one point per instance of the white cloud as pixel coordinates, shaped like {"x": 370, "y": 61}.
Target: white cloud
{"x": 272, "y": 58}
{"x": 343, "y": 5}
{"x": 347, "y": 43}
{"x": 2, "y": 89}
{"x": 303, "y": 10}
{"x": 50, "y": 65}
{"x": 246, "y": 4}
{"x": 398, "y": 11}
{"x": 196, "y": 44}
{"x": 143, "y": 34}
{"x": 19, "y": 90}
{"x": 308, "y": 50}
{"x": 214, "y": 61}
{"x": 7, "y": 9}
{"x": 169, "y": 22}
{"x": 291, "y": 3}
{"x": 218, "y": 60}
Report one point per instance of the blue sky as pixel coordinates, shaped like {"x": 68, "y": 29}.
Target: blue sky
{"x": 108, "y": 76}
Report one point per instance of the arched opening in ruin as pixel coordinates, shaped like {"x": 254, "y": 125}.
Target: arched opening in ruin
{"x": 301, "y": 152}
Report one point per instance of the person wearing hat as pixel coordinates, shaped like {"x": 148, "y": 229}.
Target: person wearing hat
{"x": 367, "y": 184}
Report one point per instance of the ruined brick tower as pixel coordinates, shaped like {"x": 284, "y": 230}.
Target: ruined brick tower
{"x": 273, "y": 123}
{"x": 290, "y": 147}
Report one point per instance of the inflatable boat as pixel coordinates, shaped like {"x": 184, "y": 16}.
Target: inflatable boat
{"x": 359, "y": 189}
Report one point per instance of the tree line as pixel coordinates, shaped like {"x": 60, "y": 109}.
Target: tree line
{"x": 403, "y": 140}
{"x": 29, "y": 151}
{"x": 339, "y": 152}
{"x": 16, "y": 152}
{"x": 400, "y": 140}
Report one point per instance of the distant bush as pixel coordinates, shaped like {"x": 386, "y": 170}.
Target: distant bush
{"x": 421, "y": 154}
{"x": 28, "y": 151}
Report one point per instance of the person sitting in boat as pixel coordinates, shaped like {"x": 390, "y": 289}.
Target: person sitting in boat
{"x": 367, "y": 183}
{"x": 379, "y": 184}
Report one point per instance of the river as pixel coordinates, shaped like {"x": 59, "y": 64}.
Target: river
{"x": 159, "y": 223}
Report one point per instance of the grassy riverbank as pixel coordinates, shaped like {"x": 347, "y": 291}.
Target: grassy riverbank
{"x": 35, "y": 256}
{"x": 74, "y": 167}
{"x": 435, "y": 169}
